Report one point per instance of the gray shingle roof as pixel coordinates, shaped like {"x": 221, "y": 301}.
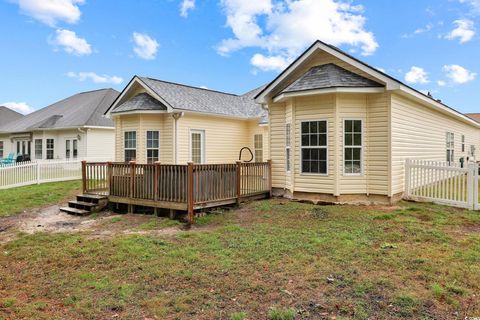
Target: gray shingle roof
{"x": 79, "y": 110}
{"x": 8, "y": 115}
{"x": 142, "y": 101}
{"x": 183, "y": 97}
{"x": 329, "y": 76}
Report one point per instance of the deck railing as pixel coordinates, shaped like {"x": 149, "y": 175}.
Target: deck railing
{"x": 188, "y": 187}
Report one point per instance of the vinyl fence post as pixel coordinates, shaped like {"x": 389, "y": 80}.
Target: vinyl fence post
{"x": 38, "y": 172}
{"x": 472, "y": 191}
{"x": 407, "y": 177}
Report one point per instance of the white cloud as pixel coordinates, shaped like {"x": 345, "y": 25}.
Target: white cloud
{"x": 475, "y": 4}
{"x": 186, "y": 6}
{"x": 21, "y": 107}
{"x": 95, "y": 78}
{"x": 271, "y": 63}
{"x": 458, "y": 74}
{"x": 464, "y": 31}
{"x": 441, "y": 83}
{"x": 71, "y": 43}
{"x": 284, "y": 28}
{"x": 416, "y": 75}
{"x": 145, "y": 46}
{"x": 52, "y": 11}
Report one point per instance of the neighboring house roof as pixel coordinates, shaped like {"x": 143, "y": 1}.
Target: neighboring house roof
{"x": 474, "y": 116}
{"x": 391, "y": 83}
{"x": 7, "y": 115}
{"x": 142, "y": 101}
{"x": 80, "y": 110}
{"x": 187, "y": 98}
{"x": 329, "y": 76}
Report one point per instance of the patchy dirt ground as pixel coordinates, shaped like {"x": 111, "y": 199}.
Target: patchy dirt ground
{"x": 99, "y": 225}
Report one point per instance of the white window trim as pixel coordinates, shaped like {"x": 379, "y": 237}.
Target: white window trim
{"x": 136, "y": 144}
{"x": 146, "y": 146}
{"x": 362, "y": 149}
{"x": 288, "y": 155}
{"x": 203, "y": 144}
{"x": 254, "y": 149}
{"x": 309, "y": 147}
{"x": 463, "y": 146}
{"x": 68, "y": 143}
{"x": 46, "y": 148}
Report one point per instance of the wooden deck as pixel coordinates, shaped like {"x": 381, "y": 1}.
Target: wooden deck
{"x": 179, "y": 187}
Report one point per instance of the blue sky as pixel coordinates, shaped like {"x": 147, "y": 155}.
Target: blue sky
{"x": 55, "y": 48}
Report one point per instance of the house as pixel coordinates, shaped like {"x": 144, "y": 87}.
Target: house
{"x": 474, "y": 116}
{"x": 73, "y": 128}
{"x": 341, "y": 130}
{"x": 173, "y": 123}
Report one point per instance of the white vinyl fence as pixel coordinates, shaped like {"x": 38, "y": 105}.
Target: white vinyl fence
{"x": 27, "y": 173}
{"x": 438, "y": 182}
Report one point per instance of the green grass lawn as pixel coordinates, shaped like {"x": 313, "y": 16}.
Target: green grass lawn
{"x": 271, "y": 259}
{"x": 16, "y": 200}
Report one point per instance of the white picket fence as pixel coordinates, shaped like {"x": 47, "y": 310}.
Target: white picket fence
{"x": 438, "y": 182}
{"x": 27, "y": 173}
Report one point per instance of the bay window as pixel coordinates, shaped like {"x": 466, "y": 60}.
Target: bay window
{"x": 314, "y": 147}
{"x": 130, "y": 146}
{"x": 352, "y": 147}
{"x": 153, "y": 146}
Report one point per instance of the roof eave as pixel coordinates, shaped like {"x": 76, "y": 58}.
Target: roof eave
{"x": 303, "y": 93}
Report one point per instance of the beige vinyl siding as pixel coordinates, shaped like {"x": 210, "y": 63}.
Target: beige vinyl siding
{"x": 314, "y": 108}
{"x": 377, "y": 162}
{"x": 289, "y": 108}
{"x": 142, "y": 123}
{"x": 277, "y": 143}
{"x": 224, "y": 137}
{"x": 100, "y": 144}
{"x": 419, "y": 132}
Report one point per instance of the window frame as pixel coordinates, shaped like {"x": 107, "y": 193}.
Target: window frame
{"x": 202, "y": 145}
{"x": 255, "y": 147}
{"x": 326, "y": 147}
{"x": 450, "y": 147}
{"x": 41, "y": 148}
{"x": 68, "y": 149}
{"x": 129, "y": 149}
{"x": 2, "y": 148}
{"x": 361, "y": 147}
{"x": 75, "y": 149}
{"x": 288, "y": 147}
{"x": 47, "y": 149}
{"x": 150, "y": 149}
{"x": 463, "y": 143}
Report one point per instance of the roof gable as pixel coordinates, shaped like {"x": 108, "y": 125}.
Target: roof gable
{"x": 141, "y": 101}
{"x": 330, "y": 76}
{"x": 8, "y": 115}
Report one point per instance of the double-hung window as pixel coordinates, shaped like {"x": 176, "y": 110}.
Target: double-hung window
{"x": 153, "y": 146}
{"x": 463, "y": 143}
{"x": 130, "y": 146}
{"x": 67, "y": 149}
{"x": 75, "y": 148}
{"x": 1, "y": 149}
{"x": 38, "y": 149}
{"x": 288, "y": 144}
{"x": 258, "y": 147}
{"x": 352, "y": 147}
{"x": 450, "y": 144}
{"x": 314, "y": 147}
{"x": 50, "y": 148}
{"x": 197, "y": 146}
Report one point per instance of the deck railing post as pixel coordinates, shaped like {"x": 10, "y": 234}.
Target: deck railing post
{"x": 190, "y": 196}
{"x": 109, "y": 177}
{"x": 239, "y": 181}
{"x": 269, "y": 162}
{"x": 156, "y": 178}
{"x": 84, "y": 176}
{"x": 132, "y": 184}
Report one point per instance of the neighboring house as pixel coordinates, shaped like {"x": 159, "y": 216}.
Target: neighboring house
{"x": 173, "y": 123}
{"x": 474, "y": 116}
{"x": 73, "y": 128}
{"x": 6, "y": 116}
{"x": 341, "y": 130}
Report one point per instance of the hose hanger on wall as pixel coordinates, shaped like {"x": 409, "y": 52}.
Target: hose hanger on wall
{"x": 240, "y": 154}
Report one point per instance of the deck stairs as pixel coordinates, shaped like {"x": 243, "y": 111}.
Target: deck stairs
{"x": 86, "y": 204}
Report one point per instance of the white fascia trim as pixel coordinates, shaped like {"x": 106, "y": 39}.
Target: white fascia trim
{"x": 139, "y": 112}
{"x": 136, "y": 79}
{"x": 282, "y": 97}
{"x": 390, "y": 84}
{"x": 224, "y": 116}
{"x": 419, "y": 97}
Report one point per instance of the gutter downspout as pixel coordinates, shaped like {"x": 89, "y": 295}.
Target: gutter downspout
{"x": 176, "y": 116}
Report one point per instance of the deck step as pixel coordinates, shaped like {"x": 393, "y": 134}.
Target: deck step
{"x": 93, "y": 198}
{"x": 81, "y": 204}
{"x": 75, "y": 211}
